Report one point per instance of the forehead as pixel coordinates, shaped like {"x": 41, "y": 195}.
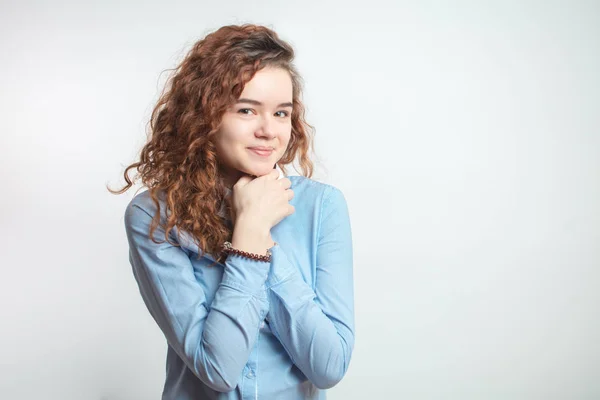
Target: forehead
{"x": 269, "y": 86}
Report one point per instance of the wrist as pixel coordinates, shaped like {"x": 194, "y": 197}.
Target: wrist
{"x": 250, "y": 237}
{"x": 251, "y": 226}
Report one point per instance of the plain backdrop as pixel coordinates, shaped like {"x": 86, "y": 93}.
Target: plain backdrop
{"x": 465, "y": 136}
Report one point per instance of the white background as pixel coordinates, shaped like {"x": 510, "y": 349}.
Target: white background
{"x": 465, "y": 136}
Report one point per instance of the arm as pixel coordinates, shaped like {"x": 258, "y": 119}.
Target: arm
{"x": 317, "y": 327}
{"x": 214, "y": 344}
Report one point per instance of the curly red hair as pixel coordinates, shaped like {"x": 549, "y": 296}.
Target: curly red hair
{"x": 179, "y": 159}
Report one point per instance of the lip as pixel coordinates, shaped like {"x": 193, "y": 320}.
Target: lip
{"x": 261, "y": 151}
{"x": 265, "y": 148}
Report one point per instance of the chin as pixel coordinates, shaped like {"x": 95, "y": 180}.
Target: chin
{"x": 258, "y": 170}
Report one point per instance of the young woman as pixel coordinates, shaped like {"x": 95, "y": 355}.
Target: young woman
{"x": 247, "y": 272}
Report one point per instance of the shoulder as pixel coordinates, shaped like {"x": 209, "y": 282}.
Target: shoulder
{"x": 142, "y": 207}
{"x": 309, "y": 189}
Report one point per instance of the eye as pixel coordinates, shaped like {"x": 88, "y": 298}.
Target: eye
{"x": 285, "y": 113}
{"x": 243, "y": 111}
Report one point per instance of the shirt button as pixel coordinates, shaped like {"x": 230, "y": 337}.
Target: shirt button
{"x": 250, "y": 374}
{"x": 262, "y": 324}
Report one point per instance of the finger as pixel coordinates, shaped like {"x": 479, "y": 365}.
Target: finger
{"x": 243, "y": 181}
{"x": 273, "y": 175}
{"x": 286, "y": 183}
{"x": 290, "y": 194}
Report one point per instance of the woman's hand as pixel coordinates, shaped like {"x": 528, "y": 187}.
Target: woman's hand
{"x": 258, "y": 205}
{"x": 264, "y": 201}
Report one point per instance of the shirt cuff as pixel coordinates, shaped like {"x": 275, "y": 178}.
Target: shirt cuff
{"x": 246, "y": 274}
{"x": 281, "y": 268}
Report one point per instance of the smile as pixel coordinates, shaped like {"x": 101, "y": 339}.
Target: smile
{"x": 262, "y": 153}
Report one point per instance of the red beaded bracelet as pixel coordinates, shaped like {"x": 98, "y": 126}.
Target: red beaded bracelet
{"x": 229, "y": 249}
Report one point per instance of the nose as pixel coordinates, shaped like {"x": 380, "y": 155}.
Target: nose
{"x": 266, "y": 128}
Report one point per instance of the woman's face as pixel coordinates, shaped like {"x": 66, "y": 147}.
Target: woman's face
{"x": 260, "y": 118}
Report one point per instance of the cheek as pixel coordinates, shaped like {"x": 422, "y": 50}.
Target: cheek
{"x": 226, "y": 136}
{"x": 237, "y": 132}
{"x": 286, "y": 138}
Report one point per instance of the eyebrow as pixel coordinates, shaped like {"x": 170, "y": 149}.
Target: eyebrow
{"x": 258, "y": 103}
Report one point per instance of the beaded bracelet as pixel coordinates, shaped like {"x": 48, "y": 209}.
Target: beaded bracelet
{"x": 229, "y": 249}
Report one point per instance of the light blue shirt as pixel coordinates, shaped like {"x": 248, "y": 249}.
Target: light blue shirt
{"x": 250, "y": 329}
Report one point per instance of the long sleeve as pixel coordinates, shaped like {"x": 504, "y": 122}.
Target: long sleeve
{"x": 317, "y": 327}
{"x": 213, "y": 340}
